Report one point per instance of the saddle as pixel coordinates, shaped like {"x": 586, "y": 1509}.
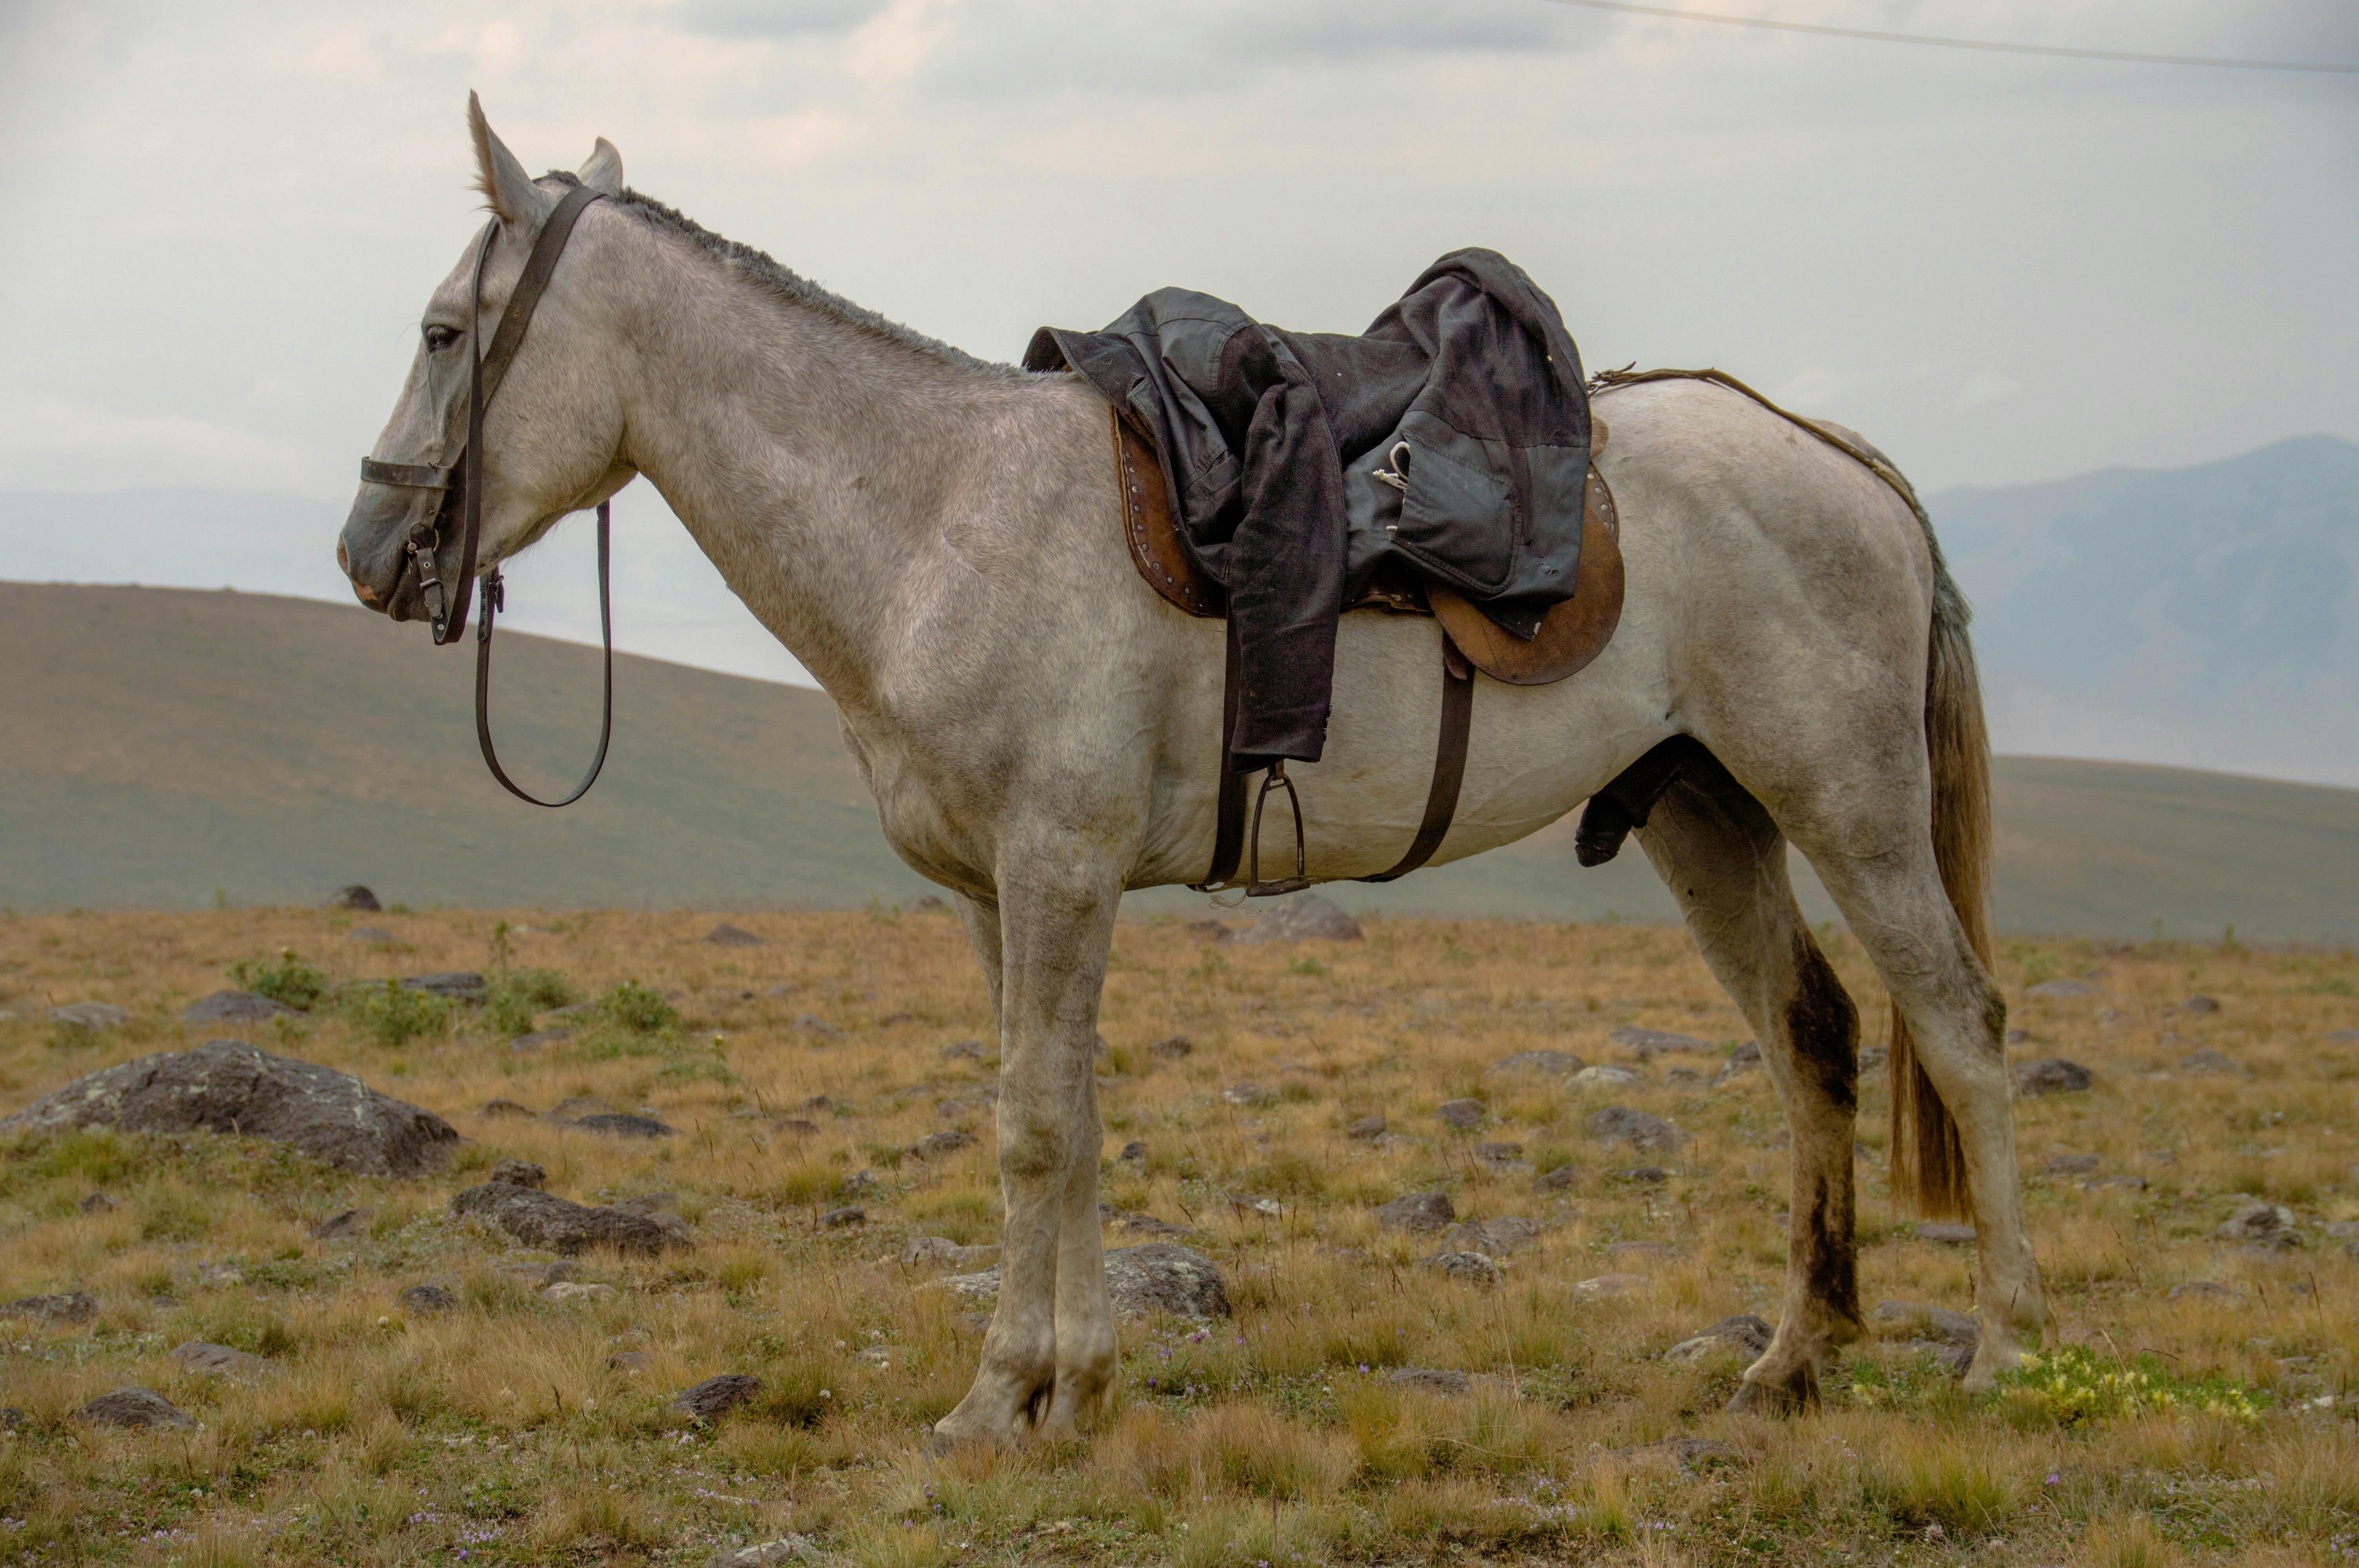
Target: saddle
{"x": 1571, "y": 634}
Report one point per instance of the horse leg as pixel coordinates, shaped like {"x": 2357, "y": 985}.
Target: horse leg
{"x": 1725, "y": 860}
{"x": 1053, "y": 928}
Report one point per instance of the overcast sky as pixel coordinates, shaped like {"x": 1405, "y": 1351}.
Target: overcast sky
{"x": 223, "y": 220}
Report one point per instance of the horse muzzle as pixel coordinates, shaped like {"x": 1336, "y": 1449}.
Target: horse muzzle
{"x": 373, "y": 547}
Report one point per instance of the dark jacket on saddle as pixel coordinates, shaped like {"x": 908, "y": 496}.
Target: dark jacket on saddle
{"x": 1452, "y": 435}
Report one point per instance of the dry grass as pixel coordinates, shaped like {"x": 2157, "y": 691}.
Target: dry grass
{"x": 507, "y": 1432}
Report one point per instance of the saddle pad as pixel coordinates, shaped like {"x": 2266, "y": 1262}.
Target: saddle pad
{"x": 1572, "y": 633}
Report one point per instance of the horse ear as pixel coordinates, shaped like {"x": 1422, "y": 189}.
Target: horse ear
{"x": 514, "y": 198}
{"x": 602, "y": 170}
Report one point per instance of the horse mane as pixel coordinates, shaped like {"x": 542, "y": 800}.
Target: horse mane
{"x": 759, "y": 269}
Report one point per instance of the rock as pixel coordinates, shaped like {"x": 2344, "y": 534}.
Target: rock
{"x": 1744, "y": 1335}
{"x": 1244, "y": 1094}
{"x": 1172, "y": 1047}
{"x": 1465, "y": 1115}
{"x": 356, "y": 896}
{"x": 811, "y": 1024}
{"x": 542, "y": 1219}
{"x": 1937, "y": 1323}
{"x": 1158, "y": 1277}
{"x": 98, "y": 1203}
{"x": 1429, "y": 1380}
{"x": 1147, "y": 1224}
{"x": 455, "y": 985}
{"x": 1417, "y": 1212}
{"x": 2258, "y": 1223}
{"x": 770, "y": 1554}
{"x": 2064, "y": 1164}
{"x": 1648, "y": 1044}
{"x": 1746, "y": 1058}
{"x": 66, "y": 1306}
{"x": 1501, "y": 1156}
{"x": 1537, "y": 1064}
{"x": 838, "y": 1218}
{"x": 794, "y": 1124}
{"x": 1620, "y": 1124}
{"x": 344, "y": 1226}
{"x": 1302, "y": 917}
{"x": 1365, "y": 1128}
{"x": 517, "y": 1173}
{"x": 133, "y": 1408}
{"x": 13, "y": 1419}
{"x": 88, "y": 1016}
{"x": 620, "y": 1124}
{"x": 429, "y": 1299}
{"x": 1687, "y": 1452}
{"x": 650, "y": 1204}
{"x": 2342, "y": 1037}
{"x": 578, "y": 1107}
{"x": 371, "y": 933}
{"x": 934, "y": 1145}
{"x": 2059, "y": 991}
{"x": 218, "y": 1361}
{"x": 1260, "y": 1208}
{"x": 1943, "y": 1232}
{"x": 941, "y": 1250}
{"x": 221, "y": 1274}
{"x": 2207, "y": 1064}
{"x": 2202, "y": 1290}
{"x": 1608, "y": 1075}
{"x": 1649, "y": 1175}
{"x": 1558, "y": 1180}
{"x": 565, "y": 1291}
{"x": 540, "y": 1040}
{"x": 631, "y": 1361}
{"x": 1475, "y": 1268}
{"x": 235, "y": 1007}
{"x": 1609, "y": 1285}
{"x": 1208, "y": 930}
{"x": 727, "y": 936}
{"x": 2117, "y": 1183}
{"x": 2200, "y": 1004}
{"x": 2052, "y": 1075}
{"x": 2017, "y": 1036}
{"x": 502, "y": 1107}
{"x": 224, "y": 1086}
{"x": 1495, "y": 1238}
{"x": 965, "y": 1050}
{"x": 1133, "y": 1153}
{"x": 860, "y": 1184}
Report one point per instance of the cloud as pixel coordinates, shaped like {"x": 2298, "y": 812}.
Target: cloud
{"x": 773, "y": 18}
{"x": 50, "y": 443}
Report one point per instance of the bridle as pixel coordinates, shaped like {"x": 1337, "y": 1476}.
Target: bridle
{"x": 461, "y": 484}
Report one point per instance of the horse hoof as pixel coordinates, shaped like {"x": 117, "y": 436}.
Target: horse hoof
{"x": 1794, "y": 1394}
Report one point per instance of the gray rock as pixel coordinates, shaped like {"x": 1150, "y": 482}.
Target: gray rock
{"x": 1648, "y": 1044}
{"x": 1497, "y": 1238}
{"x": 578, "y": 1107}
{"x": 455, "y": 985}
{"x": 517, "y": 1172}
{"x": 1743, "y": 1334}
{"x": 1620, "y": 1124}
{"x": 1689, "y": 1452}
{"x": 1172, "y": 1047}
{"x": 224, "y": 1086}
{"x": 542, "y": 1219}
{"x": 133, "y": 1408}
{"x": 649, "y": 1203}
{"x": 1302, "y": 917}
{"x": 499, "y": 1107}
{"x": 2070, "y": 1164}
{"x": 811, "y": 1024}
{"x": 850, "y": 1215}
{"x": 1245, "y": 1093}
{"x": 1260, "y": 1208}
{"x": 715, "y": 1397}
{"x": 1558, "y": 1180}
{"x": 621, "y": 1124}
{"x": 1475, "y": 1268}
{"x": 934, "y": 1145}
{"x": 1537, "y": 1064}
{"x": 1465, "y": 1115}
{"x": 1133, "y": 1153}
{"x": 219, "y": 1361}
{"x": 2117, "y": 1184}
{"x": 371, "y": 933}
{"x": 540, "y": 1040}
{"x": 88, "y": 1016}
{"x": 2200, "y": 1004}
{"x": 1144, "y": 1225}
{"x": 1604, "y": 1286}
{"x": 1501, "y": 1156}
{"x": 1208, "y": 930}
{"x": 1937, "y": 1323}
{"x": 2202, "y": 1290}
{"x": 2258, "y": 1223}
{"x": 2053, "y": 1075}
{"x": 1429, "y": 1380}
{"x": 1648, "y": 1175}
{"x": 356, "y": 896}
{"x": 1365, "y": 1128}
{"x": 2207, "y": 1064}
{"x": 941, "y": 1250}
{"x": 429, "y": 1299}
{"x": 13, "y": 1419}
{"x": 344, "y": 1226}
{"x": 1158, "y": 1277}
{"x": 1608, "y": 1075}
{"x": 1417, "y": 1212}
{"x": 1946, "y": 1233}
{"x": 235, "y": 1007}
{"x": 98, "y": 1203}
{"x": 965, "y": 1050}
{"x": 2342, "y": 1037}
{"x": 769, "y": 1554}
{"x": 727, "y": 936}
{"x": 66, "y": 1306}
{"x": 2059, "y": 991}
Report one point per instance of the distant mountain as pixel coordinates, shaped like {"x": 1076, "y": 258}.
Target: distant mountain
{"x": 2201, "y": 616}
{"x": 164, "y": 747}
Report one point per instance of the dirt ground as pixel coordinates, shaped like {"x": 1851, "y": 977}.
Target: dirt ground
{"x": 2165, "y": 1424}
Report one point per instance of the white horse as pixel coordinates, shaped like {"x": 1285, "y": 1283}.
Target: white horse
{"x": 939, "y": 541}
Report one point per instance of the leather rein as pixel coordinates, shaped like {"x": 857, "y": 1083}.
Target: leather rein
{"x": 461, "y": 484}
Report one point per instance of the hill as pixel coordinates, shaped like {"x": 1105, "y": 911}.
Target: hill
{"x": 167, "y": 748}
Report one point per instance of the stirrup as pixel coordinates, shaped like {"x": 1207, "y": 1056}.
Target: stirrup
{"x": 1254, "y": 886}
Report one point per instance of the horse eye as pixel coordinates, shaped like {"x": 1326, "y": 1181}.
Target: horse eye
{"x": 438, "y": 338}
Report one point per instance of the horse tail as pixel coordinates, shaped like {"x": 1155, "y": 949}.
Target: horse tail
{"x": 1928, "y": 1160}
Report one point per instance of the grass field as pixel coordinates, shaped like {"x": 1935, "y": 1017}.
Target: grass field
{"x": 515, "y": 1429}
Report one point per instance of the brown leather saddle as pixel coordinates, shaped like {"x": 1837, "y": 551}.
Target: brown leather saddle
{"x": 1571, "y": 634}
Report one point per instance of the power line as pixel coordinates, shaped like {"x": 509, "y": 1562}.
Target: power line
{"x": 1983, "y": 44}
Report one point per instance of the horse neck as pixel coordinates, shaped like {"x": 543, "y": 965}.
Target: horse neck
{"x": 812, "y": 457}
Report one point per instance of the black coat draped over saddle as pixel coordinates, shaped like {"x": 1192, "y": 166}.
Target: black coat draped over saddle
{"x": 1452, "y": 435}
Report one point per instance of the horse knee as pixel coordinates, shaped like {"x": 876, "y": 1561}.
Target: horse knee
{"x": 1033, "y": 1145}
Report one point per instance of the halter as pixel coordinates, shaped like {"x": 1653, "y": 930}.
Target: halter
{"x": 461, "y": 484}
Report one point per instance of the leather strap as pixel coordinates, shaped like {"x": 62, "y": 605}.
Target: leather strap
{"x": 495, "y": 596}
{"x": 416, "y": 476}
{"x": 1229, "y": 834}
{"x": 1449, "y": 763}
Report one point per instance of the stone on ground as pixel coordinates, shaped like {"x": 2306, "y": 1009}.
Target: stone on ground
{"x": 716, "y": 1397}
{"x": 2067, "y": 1164}
{"x": 91, "y": 1016}
{"x": 1606, "y": 1285}
{"x": 1940, "y": 1323}
{"x": 454, "y": 984}
{"x": 218, "y": 1361}
{"x": 2202, "y": 1290}
{"x": 2258, "y": 1223}
{"x": 1620, "y": 1124}
{"x": 1158, "y": 1277}
{"x": 1245, "y": 1093}
{"x": 1417, "y": 1212}
{"x": 1365, "y": 1128}
{"x": 1743, "y": 1334}
{"x": 1302, "y": 917}
{"x": 1508, "y": 1233}
{"x": 235, "y": 1007}
{"x": 1172, "y": 1047}
{"x": 1429, "y": 1380}
{"x": 2207, "y": 1064}
{"x": 623, "y": 1124}
{"x": 1475, "y": 1268}
{"x": 1538, "y": 1064}
{"x": 517, "y": 1173}
{"x": 539, "y": 1040}
{"x": 427, "y": 1298}
{"x": 344, "y": 1226}
{"x": 2061, "y": 990}
{"x": 356, "y": 896}
{"x": 727, "y": 936}
{"x": 934, "y": 1145}
{"x": 133, "y": 1407}
{"x": 1465, "y": 1115}
{"x": 1557, "y": 1180}
{"x": 66, "y": 1306}
{"x": 1608, "y": 1075}
{"x": 1648, "y": 1044}
{"x": 225, "y": 1086}
{"x": 2200, "y": 1003}
{"x": 768, "y": 1555}
{"x": 545, "y": 1220}
{"x": 2052, "y": 1075}
{"x": 839, "y": 1218}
